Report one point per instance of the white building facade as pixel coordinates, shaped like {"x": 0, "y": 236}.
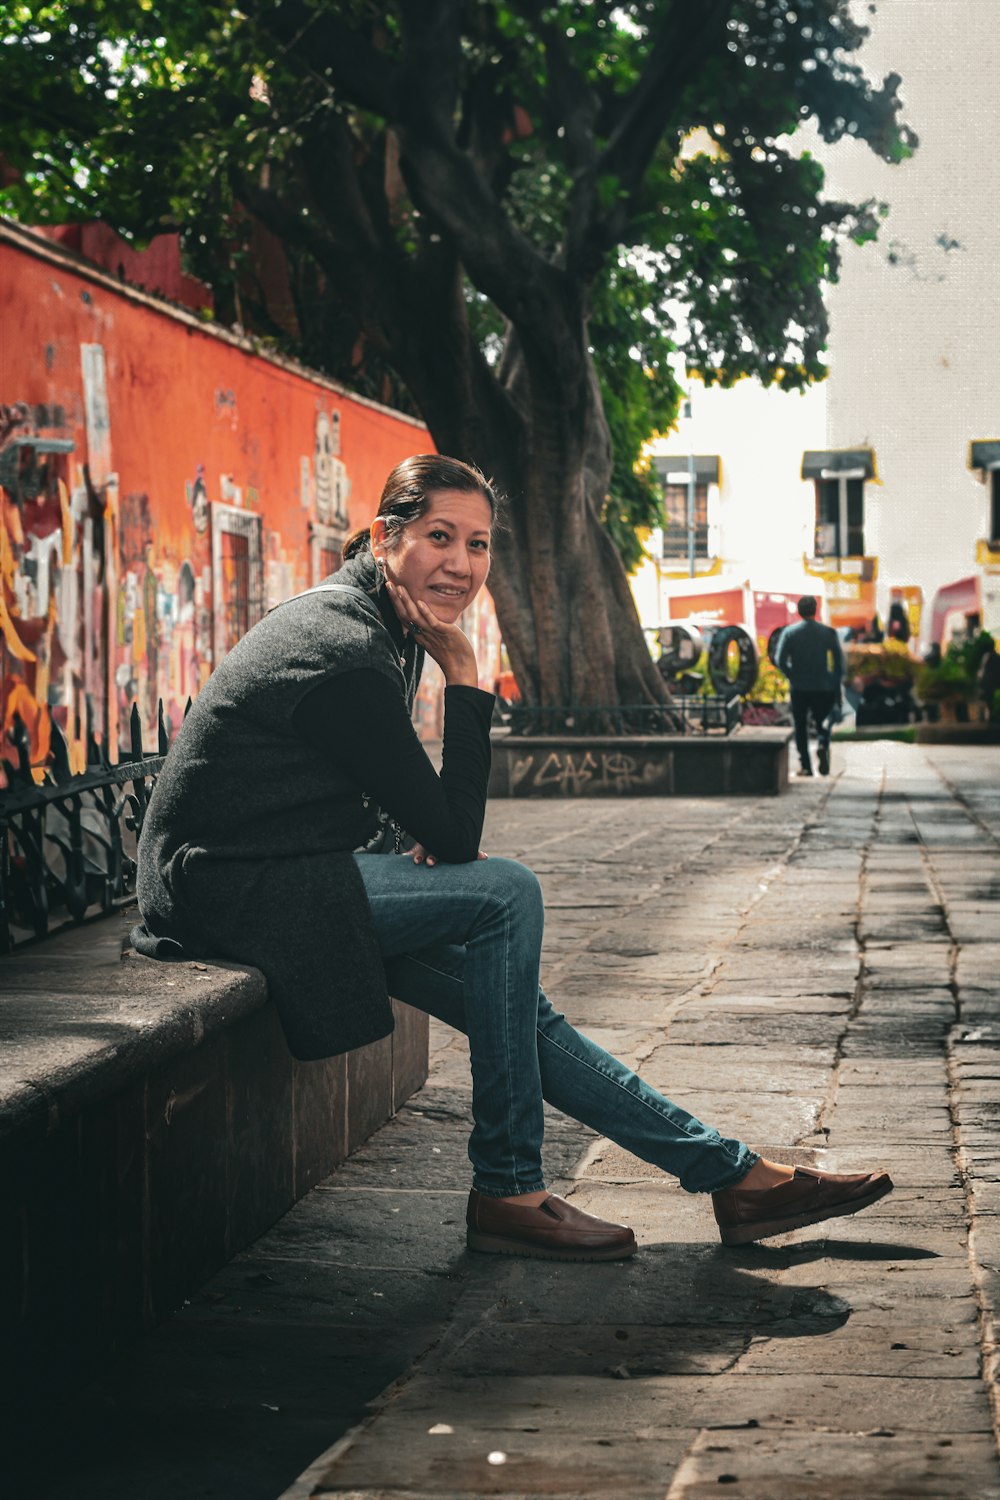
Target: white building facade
{"x": 900, "y": 446}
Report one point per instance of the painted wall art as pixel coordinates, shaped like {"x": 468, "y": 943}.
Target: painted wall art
{"x": 161, "y": 487}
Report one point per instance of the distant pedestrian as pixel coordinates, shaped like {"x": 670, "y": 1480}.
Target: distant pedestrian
{"x": 899, "y": 625}
{"x": 812, "y": 658}
{"x": 989, "y": 678}
{"x": 281, "y": 834}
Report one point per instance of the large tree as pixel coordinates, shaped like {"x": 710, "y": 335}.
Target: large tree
{"x": 504, "y": 201}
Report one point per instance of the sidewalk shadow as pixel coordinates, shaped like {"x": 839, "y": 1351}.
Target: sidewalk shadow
{"x": 696, "y": 1286}
{"x": 724, "y": 1282}
{"x": 779, "y": 1258}
{"x": 662, "y": 1314}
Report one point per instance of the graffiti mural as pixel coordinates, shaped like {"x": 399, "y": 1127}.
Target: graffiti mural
{"x": 53, "y": 545}
{"x": 161, "y": 487}
{"x": 197, "y": 498}
{"x": 164, "y": 635}
{"x": 330, "y": 476}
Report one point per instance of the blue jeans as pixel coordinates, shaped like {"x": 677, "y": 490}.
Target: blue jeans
{"x": 463, "y": 943}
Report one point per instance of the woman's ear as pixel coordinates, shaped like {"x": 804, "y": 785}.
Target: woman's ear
{"x": 377, "y": 534}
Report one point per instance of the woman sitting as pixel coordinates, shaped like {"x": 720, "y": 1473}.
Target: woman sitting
{"x": 274, "y": 837}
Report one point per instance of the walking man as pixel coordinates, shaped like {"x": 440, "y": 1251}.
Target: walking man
{"x": 812, "y": 658}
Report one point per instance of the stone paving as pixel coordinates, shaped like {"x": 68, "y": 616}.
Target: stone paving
{"x": 816, "y": 973}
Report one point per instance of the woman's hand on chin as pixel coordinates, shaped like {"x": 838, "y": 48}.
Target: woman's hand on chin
{"x": 449, "y": 646}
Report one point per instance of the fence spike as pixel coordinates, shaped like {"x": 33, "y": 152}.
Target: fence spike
{"x": 60, "y": 767}
{"x": 21, "y": 740}
{"x": 93, "y": 757}
{"x": 135, "y": 732}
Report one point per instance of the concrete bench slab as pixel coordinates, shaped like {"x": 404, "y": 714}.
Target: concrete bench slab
{"x": 153, "y": 1124}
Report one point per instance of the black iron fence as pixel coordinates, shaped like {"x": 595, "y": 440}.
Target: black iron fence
{"x": 67, "y": 844}
{"x": 715, "y": 714}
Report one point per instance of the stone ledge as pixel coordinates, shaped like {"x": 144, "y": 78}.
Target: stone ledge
{"x": 958, "y": 734}
{"x": 925, "y": 734}
{"x": 753, "y": 761}
{"x": 80, "y": 1018}
{"x": 153, "y": 1124}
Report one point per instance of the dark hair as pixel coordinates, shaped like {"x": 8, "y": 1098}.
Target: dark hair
{"x": 408, "y": 490}
{"x": 807, "y": 606}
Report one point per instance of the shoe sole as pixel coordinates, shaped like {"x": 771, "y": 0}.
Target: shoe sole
{"x": 744, "y": 1234}
{"x": 495, "y": 1244}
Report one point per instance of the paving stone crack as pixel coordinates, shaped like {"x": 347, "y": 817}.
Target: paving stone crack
{"x": 830, "y": 1097}
{"x": 987, "y": 1331}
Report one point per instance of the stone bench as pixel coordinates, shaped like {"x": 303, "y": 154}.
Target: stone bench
{"x": 152, "y": 1124}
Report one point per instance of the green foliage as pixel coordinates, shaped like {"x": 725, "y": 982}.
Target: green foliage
{"x": 969, "y": 653}
{"x": 886, "y": 660}
{"x": 166, "y": 115}
{"x": 955, "y": 677}
{"x": 948, "y": 680}
{"x": 771, "y": 686}
{"x": 631, "y": 345}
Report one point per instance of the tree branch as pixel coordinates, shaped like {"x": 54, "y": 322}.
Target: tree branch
{"x": 432, "y": 55}
{"x": 577, "y": 108}
{"x": 689, "y": 36}
{"x": 447, "y": 184}
{"x": 352, "y": 260}
{"x": 330, "y": 47}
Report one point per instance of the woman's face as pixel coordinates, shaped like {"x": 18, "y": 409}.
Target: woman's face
{"x": 442, "y": 558}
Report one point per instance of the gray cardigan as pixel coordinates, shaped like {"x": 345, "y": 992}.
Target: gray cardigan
{"x": 246, "y": 847}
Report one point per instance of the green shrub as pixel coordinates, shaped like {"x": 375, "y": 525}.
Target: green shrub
{"x": 949, "y": 680}
{"x": 888, "y": 660}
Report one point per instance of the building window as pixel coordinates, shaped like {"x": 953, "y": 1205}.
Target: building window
{"x": 840, "y": 516}
{"x": 984, "y": 459}
{"x": 237, "y": 575}
{"x": 325, "y": 551}
{"x": 675, "y": 532}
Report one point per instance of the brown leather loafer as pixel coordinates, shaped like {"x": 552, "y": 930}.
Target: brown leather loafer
{"x": 555, "y": 1230}
{"x": 807, "y": 1198}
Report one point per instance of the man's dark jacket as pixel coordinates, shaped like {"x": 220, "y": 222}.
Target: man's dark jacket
{"x": 811, "y": 657}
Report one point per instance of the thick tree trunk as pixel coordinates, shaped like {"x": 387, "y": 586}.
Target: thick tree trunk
{"x": 535, "y": 423}
{"x": 586, "y": 643}
{"x": 563, "y": 600}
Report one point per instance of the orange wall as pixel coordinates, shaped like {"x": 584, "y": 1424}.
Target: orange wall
{"x": 190, "y": 420}
{"x": 157, "y": 267}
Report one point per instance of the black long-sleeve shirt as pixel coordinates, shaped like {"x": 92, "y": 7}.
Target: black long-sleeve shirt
{"x": 383, "y": 755}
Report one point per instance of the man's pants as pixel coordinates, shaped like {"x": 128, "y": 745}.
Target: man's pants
{"x": 820, "y": 705}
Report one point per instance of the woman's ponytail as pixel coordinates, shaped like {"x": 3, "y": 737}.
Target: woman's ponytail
{"x": 359, "y": 541}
